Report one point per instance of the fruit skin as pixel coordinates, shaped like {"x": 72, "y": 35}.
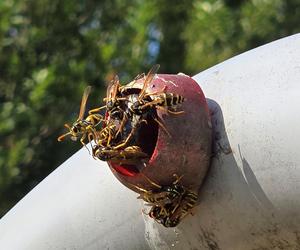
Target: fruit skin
{"x": 187, "y": 152}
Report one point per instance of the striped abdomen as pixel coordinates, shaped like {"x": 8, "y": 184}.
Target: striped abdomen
{"x": 156, "y": 198}
{"x": 107, "y": 131}
{"x": 187, "y": 203}
{"x": 93, "y": 119}
{"x": 168, "y": 99}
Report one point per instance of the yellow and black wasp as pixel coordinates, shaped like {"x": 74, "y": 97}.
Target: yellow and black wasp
{"x": 83, "y": 128}
{"x": 170, "y": 204}
{"x": 144, "y": 105}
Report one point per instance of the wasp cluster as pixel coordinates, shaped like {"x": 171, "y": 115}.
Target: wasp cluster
{"x": 169, "y": 204}
{"x": 114, "y": 137}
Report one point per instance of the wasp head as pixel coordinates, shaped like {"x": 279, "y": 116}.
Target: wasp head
{"x": 136, "y": 108}
{"x": 75, "y": 131}
{"x": 110, "y": 105}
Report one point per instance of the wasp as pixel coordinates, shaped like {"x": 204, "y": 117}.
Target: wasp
{"x": 84, "y": 128}
{"x": 162, "y": 194}
{"x": 144, "y": 103}
{"x": 171, "y": 214}
{"x": 162, "y": 215}
{"x": 106, "y": 135}
{"x": 158, "y": 99}
{"x": 130, "y": 153}
{"x": 112, "y": 99}
{"x": 161, "y": 198}
{"x": 181, "y": 209}
{"x": 116, "y": 151}
{"x": 115, "y": 103}
{"x": 170, "y": 204}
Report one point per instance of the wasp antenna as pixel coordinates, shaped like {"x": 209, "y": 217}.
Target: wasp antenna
{"x": 163, "y": 127}
{"x": 150, "y": 181}
{"x": 178, "y": 178}
{"x": 139, "y": 189}
{"x": 67, "y": 126}
{"x": 61, "y": 138}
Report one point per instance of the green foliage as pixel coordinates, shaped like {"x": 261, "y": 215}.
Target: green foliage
{"x": 51, "y": 50}
{"x": 210, "y": 34}
{"x": 220, "y": 29}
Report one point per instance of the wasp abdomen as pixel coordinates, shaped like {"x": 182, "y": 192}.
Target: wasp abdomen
{"x": 169, "y": 99}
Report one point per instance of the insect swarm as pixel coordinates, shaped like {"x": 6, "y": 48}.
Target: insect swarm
{"x": 143, "y": 104}
{"x": 144, "y": 135}
{"x": 182, "y": 146}
{"x": 170, "y": 203}
{"x": 129, "y": 107}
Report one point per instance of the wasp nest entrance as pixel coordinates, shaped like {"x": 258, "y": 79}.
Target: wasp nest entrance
{"x": 145, "y": 137}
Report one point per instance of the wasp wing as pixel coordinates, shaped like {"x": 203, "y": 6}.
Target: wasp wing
{"x": 85, "y": 96}
{"x": 112, "y": 89}
{"x": 148, "y": 80}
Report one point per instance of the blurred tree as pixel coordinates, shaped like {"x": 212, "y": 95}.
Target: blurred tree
{"x": 51, "y": 49}
{"x": 220, "y": 29}
{"x": 171, "y": 21}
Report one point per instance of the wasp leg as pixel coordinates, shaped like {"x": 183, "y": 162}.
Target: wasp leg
{"x": 159, "y": 216}
{"x": 169, "y": 111}
{"x": 82, "y": 142}
{"x": 139, "y": 76}
{"x": 151, "y": 104}
{"x": 183, "y": 208}
{"x": 67, "y": 126}
{"x": 127, "y": 139}
{"x": 184, "y": 214}
{"x": 140, "y": 189}
{"x": 91, "y": 131}
{"x": 118, "y": 99}
{"x": 96, "y": 110}
{"x": 61, "y": 138}
{"x": 97, "y": 137}
{"x": 175, "y": 112}
{"x": 91, "y": 136}
{"x": 163, "y": 211}
{"x": 133, "y": 130}
{"x": 177, "y": 178}
{"x": 98, "y": 117}
{"x": 124, "y": 120}
{"x": 64, "y": 135}
{"x": 153, "y": 93}
{"x": 109, "y": 138}
{"x": 162, "y": 126}
{"x": 157, "y": 92}
{"x": 150, "y": 181}
{"x": 174, "y": 209}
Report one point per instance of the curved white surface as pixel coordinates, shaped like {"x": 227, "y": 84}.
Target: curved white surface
{"x": 250, "y": 199}
{"x": 78, "y": 206}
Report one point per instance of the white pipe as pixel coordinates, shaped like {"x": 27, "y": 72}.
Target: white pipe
{"x": 79, "y": 206}
{"x": 250, "y": 199}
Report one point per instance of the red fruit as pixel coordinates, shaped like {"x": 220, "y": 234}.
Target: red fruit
{"x": 187, "y": 152}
